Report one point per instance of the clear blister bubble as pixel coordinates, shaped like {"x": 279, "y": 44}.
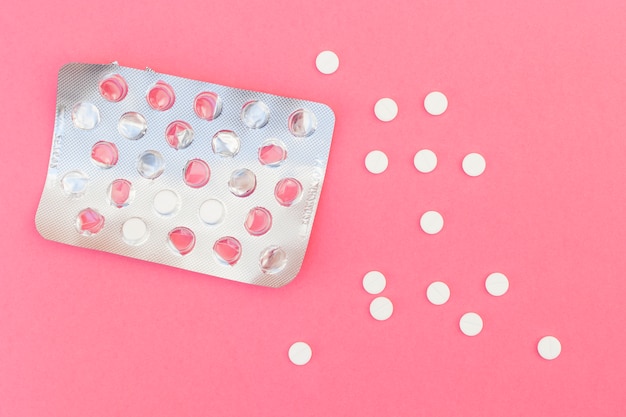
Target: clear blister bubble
{"x": 227, "y": 250}
{"x": 196, "y": 173}
{"x": 161, "y": 96}
{"x": 113, "y": 88}
{"x": 104, "y": 154}
{"x": 120, "y": 193}
{"x": 132, "y": 125}
{"x": 181, "y": 240}
{"x": 242, "y": 182}
{"x": 179, "y": 134}
{"x": 207, "y": 105}
{"x": 272, "y": 153}
{"x": 258, "y": 221}
{"x": 89, "y": 222}
{"x": 302, "y": 123}
{"x": 75, "y": 183}
{"x": 272, "y": 260}
{"x": 288, "y": 192}
{"x": 225, "y": 143}
{"x": 255, "y": 114}
{"x": 150, "y": 164}
{"x": 85, "y": 115}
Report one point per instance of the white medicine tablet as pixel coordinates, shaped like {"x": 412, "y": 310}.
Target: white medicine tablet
{"x": 474, "y": 164}
{"x": 327, "y": 62}
{"x": 471, "y": 324}
{"x": 381, "y": 308}
{"x": 376, "y": 162}
{"x": 425, "y": 161}
{"x": 166, "y": 202}
{"x": 549, "y": 347}
{"x": 212, "y": 212}
{"x": 436, "y": 103}
{"x": 438, "y": 293}
{"x": 300, "y": 353}
{"x": 374, "y": 282}
{"x": 431, "y": 222}
{"x": 497, "y": 284}
{"x": 134, "y": 231}
{"x": 386, "y": 109}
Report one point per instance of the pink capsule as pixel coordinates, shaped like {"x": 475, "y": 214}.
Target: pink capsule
{"x": 179, "y": 134}
{"x": 259, "y": 221}
{"x": 89, "y": 222}
{"x": 288, "y": 191}
{"x": 113, "y": 88}
{"x": 272, "y": 153}
{"x": 196, "y": 173}
{"x": 207, "y": 105}
{"x": 181, "y": 240}
{"x": 161, "y": 96}
{"x": 227, "y": 250}
{"x": 104, "y": 154}
{"x": 120, "y": 193}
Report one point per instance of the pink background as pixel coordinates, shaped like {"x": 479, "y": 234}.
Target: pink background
{"x": 538, "y": 88}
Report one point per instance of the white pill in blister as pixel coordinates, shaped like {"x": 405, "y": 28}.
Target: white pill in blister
{"x": 497, "y": 284}
{"x": 374, "y": 282}
{"x": 425, "y": 161}
{"x": 134, "y": 231}
{"x": 166, "y": 202}
{"x": 212, "y": 212}
{"x": 436, "y": 103}
{"x": 549, "y": 347}
{"x": 431, "y": 222}
{"x": 474, "y": 164}
{"x": 327, "y": 62}
{"x": 386, "y": 109}
{"x": 381, "y": 308}
{"x": 300, "y": 353}
{"x": 376, "y": 162}
{"x": 438, "y": 293}
{"x": 471, "y": 324}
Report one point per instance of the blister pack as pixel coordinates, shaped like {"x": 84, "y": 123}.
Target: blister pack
{"x": 185, "y": 173}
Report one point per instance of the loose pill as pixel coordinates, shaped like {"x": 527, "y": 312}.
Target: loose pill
{"x": 436, "y": 103}
{"x": 471, "y": 324}
{"x": 425, "y": 161}
{"x": 431, "y": 222}
{"x": 386, "y": 109}
{"x": 374, "y": 282}
{"x": 381, "y": 308}
{"x": 474, "y": 164}
{"x": 300, "y": 353}
{"x": 438, "y": 293}
{"x": 497, "y": 284}
{"x": 327, "y": 62}
{"x": 549, "y": 347}
{"x": 376, "y": 162}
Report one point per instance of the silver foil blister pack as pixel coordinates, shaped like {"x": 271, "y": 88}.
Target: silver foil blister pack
{"x": 185, "y": 173}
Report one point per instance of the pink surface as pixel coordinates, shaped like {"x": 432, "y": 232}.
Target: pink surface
{"x": 537, "y": 87}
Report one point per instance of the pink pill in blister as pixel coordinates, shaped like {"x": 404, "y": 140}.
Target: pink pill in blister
{"x": 161, "y": 96}
{"x": 179, "y": 134}
{"x": 272, "y": 152}
{"x": 89, "y": 222}
{"x": 288, "y": 191}
{"x": 227, "y": 250}
{"x": 113, "y": 88}
{"x": 196, "y": 173}
{"x": 120, "y": 193}
{"x": 181, "y": 240}
{"x": 104, "y": 154}
{"x": 207, "y": 105}
{"x": 258, "y": 222}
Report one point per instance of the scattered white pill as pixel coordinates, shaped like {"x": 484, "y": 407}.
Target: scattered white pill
{"x": 381, "y": 308}
{"x": 212, "y": 212}
{"x": 549, "y": 347}
{"x": 300, "y": 353}
{"x": 425, "y": 161}
{"x": 166, "y": 203}
{"x": 386, "y": 109}
{"x": 327, "y": 62}
{"x": 497, "y": 284}
{"x": 438, "y": 293}
{"x": 374, "y": 282}
{"x": 376, "y": 162}
{"x": 471, "y": 324}
{"x": 436, "y": 103}
{"x": 431, "y": 222}
{"x": 474, "y": 164}
{"x": 134, "y": 231}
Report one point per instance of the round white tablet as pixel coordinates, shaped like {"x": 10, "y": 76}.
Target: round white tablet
{"x": 134, "y": 231}
{"x": 471, "y": 324}
{"x": 327, "y": 62}
{"x": 300, "y": 353}
{"x": 376, "y": 162}
{"x": 431, "y": 222}
{"x": 166, "y": 202}
{"x": 381, "y": 308}
{"x": 212, "y": 212}
{"x": 549, "y": 347}
{"x": 436, "y": 103}
{"x": 374, "y": 282}
{"x": 497, "y": 284}
{"x": 438, "y": 293}
{"x": 386, "y": 109}
{"x": 425, "y": 161}
{"x": 474, "y": 164}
